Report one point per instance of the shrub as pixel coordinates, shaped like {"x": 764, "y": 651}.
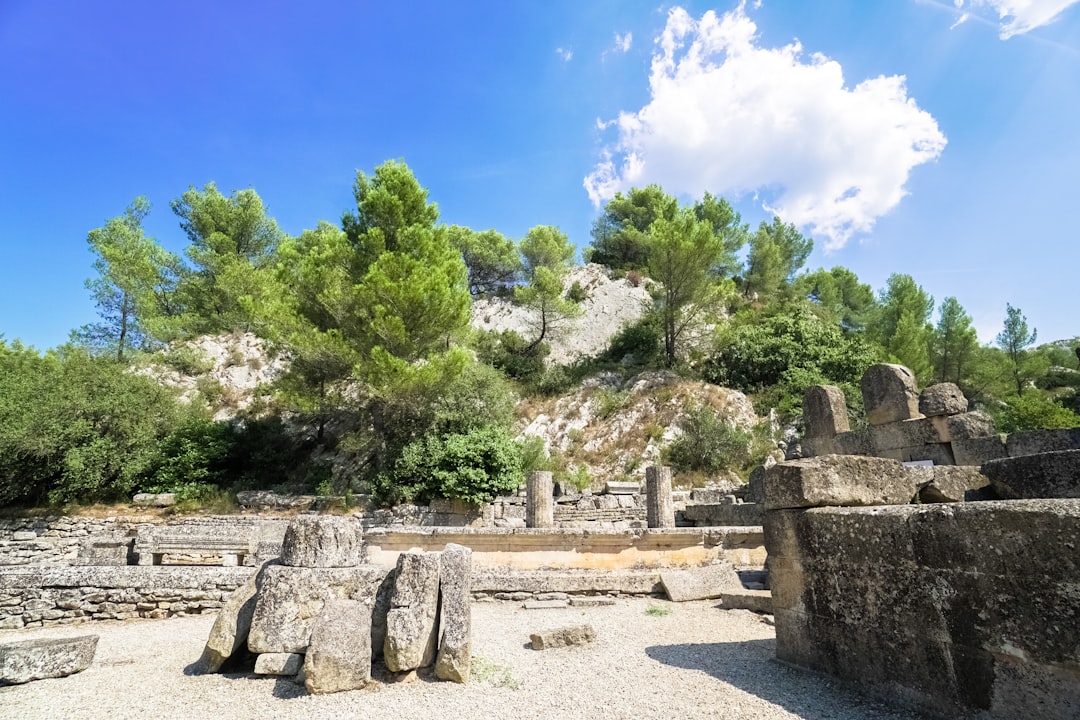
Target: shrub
{"x": 708, "y": 443}
{"x": 1034, "y": 411}
{"x": 187, "y": 360}
{"x": 577, "y": 293}
{"x": 475, "y": 466}
{"x": 192, "y": 459}
{"x": 509, "y": 352}
{"x": 640, "y": 341}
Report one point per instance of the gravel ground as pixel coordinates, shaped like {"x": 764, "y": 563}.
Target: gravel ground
{"x": 695, "y": 661}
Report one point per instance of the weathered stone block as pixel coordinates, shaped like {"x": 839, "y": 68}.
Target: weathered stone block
{"x": 28, "y": 660}
{"x": 977, "y": 450}
{"x": 1046, "y": 475}
{"x": 322, "y": 541}
{"x": 856, "y": 442}
{"x": 964, "y": 426}
{"x": 660, "y": 510}
{"x": 951, "y": 483}
{"x": 563, "y": 637}
{"x": 339, "y": 655}
{"x": 814, "y": 446}
{"x": 938, "y": 453}
{"x": 233, "y": 622}
{"x": 411, "y": 637}
{"x": 291, "y": 599}
{"x": 545, "y": 605}
{"x": 904, "y": 434}
{"x": 824, "y": 412}
{"x": 759, "y": 601}
{"x": 279, "y": 663}
{"x": 1040, "y": 441}
{"x": 837, "y": 480}
{"x": 455, "y": 614}
{"x": 889, "y": 394}
{"x": 154, "y": 499}
{"x": 703, "y": 583}
{"x": 942, "y": 399}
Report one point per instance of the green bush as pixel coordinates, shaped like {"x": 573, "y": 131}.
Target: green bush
{"x": 510, "y": 353}
{"x": 1034, "y": 411}
{"x": 641, "y": 342}
{"x": 187, "y": 360}
{"x": 709, "y": 443}
{"x": 192, "y": 459}
{"x": 577, "y": 293}
{"x": 475, "y": 467}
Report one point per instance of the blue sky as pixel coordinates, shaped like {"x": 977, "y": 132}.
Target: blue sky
{"x": 938, "y": 139}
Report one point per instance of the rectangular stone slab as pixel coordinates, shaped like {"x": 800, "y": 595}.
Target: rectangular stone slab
{"x": 699, "y": 583}
{"x": 22, "y": 662}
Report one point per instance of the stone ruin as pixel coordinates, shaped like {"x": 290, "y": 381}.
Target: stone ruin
{"x": 322, "y": 616}
{"x": 948, "y": 587}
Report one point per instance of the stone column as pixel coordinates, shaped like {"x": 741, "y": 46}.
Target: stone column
{"x": 539, "y": 500}
{"x": 659, "y": 507}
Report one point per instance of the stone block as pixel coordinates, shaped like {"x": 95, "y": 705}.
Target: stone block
{"x": 937, "y": 453}
{"x": 455, "y": 614}
{"x": 563, "y": 637}
{"x": 622, "y": 488}
{"x": 759, "y": 601}
{"x": 339, "y": 654}
{"x": 660, "y": 510}
{"x": 951, "y": 483}
{"x": 703, "y": 583}
{"x": 1040, "y": 441}
{"x": 233, "y": 622}
{"x": 279, "y": 663}
{"x": 838, "y": 480}
{"x": 904, "y": 434}
{"x": 291, "y": 599}
{"x": 154, "y": 499}
{"x": 964, "y": 426}
{"x": 977, "y": 450}
{"x": 824, "y": 412}
{"x": 813, "y": 446}
{"x": 322, "y": 541}
{"x": 411, "y": 637}
{"x": 856, "y": 442}
{"x": 28, "y": 660}
{"x": 1046, "y": 475}
{"x": 590, "y": 601}
{"x": 942, "y": 399}
{"x": 889, "y": 394}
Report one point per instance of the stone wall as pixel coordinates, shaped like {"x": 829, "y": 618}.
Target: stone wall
{"x": 31, "y": 597}
{"x": 955, "y": 606}
{"x": 57, "y": 540}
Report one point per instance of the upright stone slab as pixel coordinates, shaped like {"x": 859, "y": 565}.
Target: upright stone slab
{"x": 455, "y": 614}
{"x": 410, "y": 624}
{"x": 339, "y": 656}
{"x": 824, "y": 411}
{"x": 539, "y": 500}
{"x": 322, "y": 541}
{"x": 889, "y": 394}
{"x": 233, "y": 622}
{"x": 659, "y": 508}
{"x": 22, "y": 662}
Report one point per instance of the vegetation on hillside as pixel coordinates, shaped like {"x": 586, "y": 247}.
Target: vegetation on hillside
{"x": 389, "y": 391}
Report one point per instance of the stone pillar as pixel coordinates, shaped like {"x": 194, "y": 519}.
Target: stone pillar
{"x": 539, "y": 500}
{"x": 824, "y": 417}
{"x": 659, "y": 507}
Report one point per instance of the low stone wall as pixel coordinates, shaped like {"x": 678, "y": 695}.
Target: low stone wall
{"x": 57, "y": 540}
{"x": 31, "y": 597}
{"x": 724, "y": 513}
{"x": 570, "y": 548}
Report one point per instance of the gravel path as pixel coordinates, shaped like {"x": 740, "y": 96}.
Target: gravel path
{"x": 695, "y": 661}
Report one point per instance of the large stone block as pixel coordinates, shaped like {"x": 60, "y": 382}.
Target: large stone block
{"x": 904, "y": 434}
{"x": 824, "y": 411}
{"x": 977, "y": 450}
{"x": 291, "y": 599}
{"x": 411, "y": 637}
{"x": 701, "y": 583}
{"x": 455, "y": 614}
{"x": 339, "y": 654}
{"x": 322, "y": 541}
{"x": 889, "y": 394}
{"x": 964, "y": 426}
{"x": 28, "y": 660}
{"x": 855, "y": 442}
{"x": 563, "y": 637}
{"x": 233, "y": 622}
{"x": 937, "y": 453}
{"x": 969, "y": 606}
{"x": 1046, "y": 475}
{"x": 952, "y": 483}
{"x": 942, "y": 399}
{"x": 838, "y": 480}
{"x": 1039, "y": 441}
{"x": 279, "y": 664}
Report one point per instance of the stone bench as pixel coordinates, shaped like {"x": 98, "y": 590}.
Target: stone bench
{"x": 152, "y": 546}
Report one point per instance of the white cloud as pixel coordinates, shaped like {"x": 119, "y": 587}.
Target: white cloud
{"x": 623, "y": 43}
{"x": 731, "y": 117}
{"x": 1018, "y": 16}
{"x": 567, "y": 54}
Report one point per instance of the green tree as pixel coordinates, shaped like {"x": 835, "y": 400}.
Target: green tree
{"x": 839, "y": 295}
{"x": 777, "y": 251}
{"x": 1013, "y": 340}
{"x": 135, "y": 285}
{"x": 491, "y": 258}
{"x": 546, "y": 254}
{"x": 682, "y": 254}
{"x": 233, "y": 244}
{"x": 903, "y": 325}
{"x": 953, "y": 343}
{"x": 619, "y": 234}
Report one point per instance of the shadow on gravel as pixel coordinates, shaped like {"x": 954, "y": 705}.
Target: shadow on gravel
{"x": 750, "y": 666}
